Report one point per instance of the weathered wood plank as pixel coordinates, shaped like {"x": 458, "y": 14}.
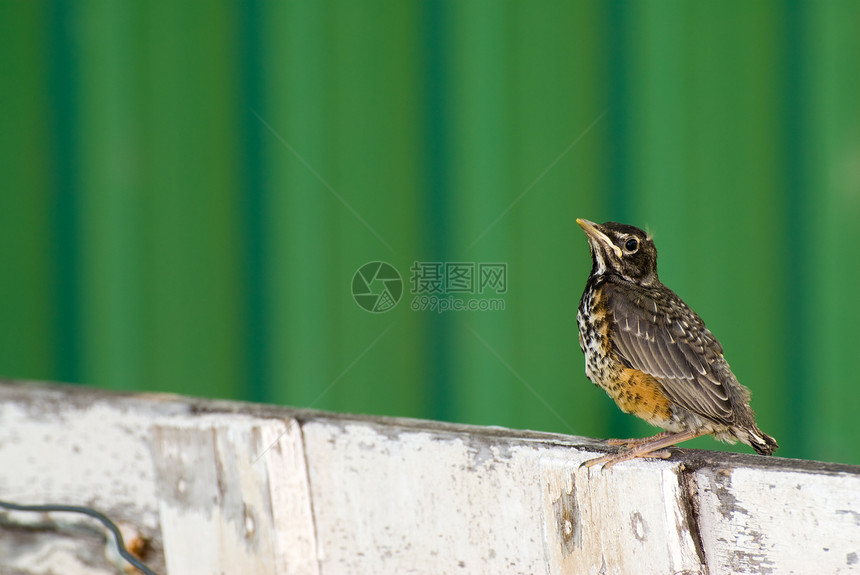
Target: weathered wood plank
{"x": 394, "y": 500}
{"x": 753, "y": 521}
{"x": 234, "y": 496}
{"x": 630, "y": 519}
{"x": 76, "y": 446}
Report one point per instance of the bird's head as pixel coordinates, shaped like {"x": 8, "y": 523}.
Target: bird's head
{"x": 622, "y": 250}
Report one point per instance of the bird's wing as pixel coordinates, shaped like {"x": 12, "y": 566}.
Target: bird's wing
{"x": 675, "y": 347}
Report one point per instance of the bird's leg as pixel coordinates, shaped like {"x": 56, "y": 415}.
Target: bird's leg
{"x": 636, "y": 441}
{"x": 652, "y": 447}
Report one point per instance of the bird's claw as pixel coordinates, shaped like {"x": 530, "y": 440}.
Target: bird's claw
{"x": 608, "y": 460}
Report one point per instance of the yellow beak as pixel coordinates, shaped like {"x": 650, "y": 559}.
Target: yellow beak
{"x": 593, "y": 232}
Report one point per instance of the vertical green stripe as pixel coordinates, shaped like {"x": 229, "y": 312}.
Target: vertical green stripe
{"x": 437, "y": 35}
{"x": 191, "y": 246}
{"x": 64, "y": 128}
{"x": 657, "y": 168}
{"x": 254, "y": 271}
{"x": 483, "y": 389}
{"x": 796, "y": 234}
{"x": 299, "y": 355}
{"x": 399, "y": 218}
{"x": 833, "y": 128}
{"x": 28, "y": 346}
{"x": 109, "y": 191}
{"x": 372, "y": 140}
{"x": 617, "y": 51}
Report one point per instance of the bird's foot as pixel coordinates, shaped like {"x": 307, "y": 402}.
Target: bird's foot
{"x": 654, "y": 447}
{"x": 637, "y": 441}
{"x": 613, "y": 458}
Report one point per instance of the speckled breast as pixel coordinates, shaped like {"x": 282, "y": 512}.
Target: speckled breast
{"x": 593, "y": 321}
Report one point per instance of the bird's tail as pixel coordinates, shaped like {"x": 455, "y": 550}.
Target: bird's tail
{"x": 763, "y": 443}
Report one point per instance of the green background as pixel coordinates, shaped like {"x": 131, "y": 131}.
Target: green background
{"x": 189, "y": 187}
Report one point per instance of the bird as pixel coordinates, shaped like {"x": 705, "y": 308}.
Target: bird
{"x": 652, "y": 353}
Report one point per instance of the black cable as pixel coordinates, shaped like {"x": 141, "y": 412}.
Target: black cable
{"x": 110, "y": 525}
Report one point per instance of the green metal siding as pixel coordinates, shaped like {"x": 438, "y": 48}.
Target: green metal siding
{"x": 189, "y": 188}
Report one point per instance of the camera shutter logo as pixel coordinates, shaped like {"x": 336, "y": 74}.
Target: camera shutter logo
{"x": 377, "y": 287}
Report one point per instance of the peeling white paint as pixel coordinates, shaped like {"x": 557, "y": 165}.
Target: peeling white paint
{"x": 780, "y": 521}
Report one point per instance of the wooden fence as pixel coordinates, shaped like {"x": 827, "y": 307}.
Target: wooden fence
{"x": 210, "y": 487}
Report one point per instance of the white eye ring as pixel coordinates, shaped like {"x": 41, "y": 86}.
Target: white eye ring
{"x": 631, "y": 245}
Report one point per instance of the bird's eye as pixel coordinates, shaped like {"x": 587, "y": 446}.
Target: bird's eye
{"x": 631, "y": 245}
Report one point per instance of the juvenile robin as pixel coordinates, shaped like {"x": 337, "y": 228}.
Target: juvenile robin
{"x": 653, "y": 355}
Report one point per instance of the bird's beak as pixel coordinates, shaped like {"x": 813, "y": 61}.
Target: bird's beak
{"x": 593, "y": 232}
